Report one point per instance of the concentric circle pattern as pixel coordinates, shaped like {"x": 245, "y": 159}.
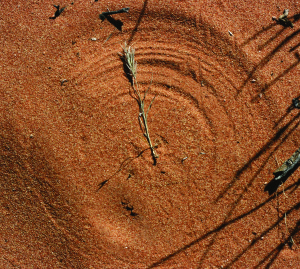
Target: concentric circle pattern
{"x": 78, "y": 179}
{"x": 197, "y": 76}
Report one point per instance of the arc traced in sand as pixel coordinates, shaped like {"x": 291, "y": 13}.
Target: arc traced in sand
{"x": 218, "y": 108}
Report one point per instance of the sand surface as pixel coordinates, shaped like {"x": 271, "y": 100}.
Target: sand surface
{"x": 224, "y": 75}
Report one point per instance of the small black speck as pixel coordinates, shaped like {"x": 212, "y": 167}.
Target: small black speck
{"x": 129, "y": 207}
{"x": 133, "y": 214}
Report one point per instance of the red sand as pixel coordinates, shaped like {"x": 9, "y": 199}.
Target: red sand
{"x": 223, "y": 101}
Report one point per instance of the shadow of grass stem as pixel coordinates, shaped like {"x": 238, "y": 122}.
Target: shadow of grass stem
{"x": 131, "y": 64}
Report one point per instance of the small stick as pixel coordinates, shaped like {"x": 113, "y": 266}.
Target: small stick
{"x": 108, "y": 37}
{"x": 63, "y": 81}
{"x": 288, "y": 165}
{"x": 183, "y": 159}
{"x": 276, "y": 160}
{"x": 57, "y": 12}
{"x": 283, "y": 191}
{"x": 103, "y": 15}
{"x": 283, "y": 20}
{"x": 128, "y": 56}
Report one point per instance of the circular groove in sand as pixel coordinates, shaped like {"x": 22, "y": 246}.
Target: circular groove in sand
{"x": 196, "y": 80}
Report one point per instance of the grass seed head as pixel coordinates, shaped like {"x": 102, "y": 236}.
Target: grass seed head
{"x": 129, "y": 60}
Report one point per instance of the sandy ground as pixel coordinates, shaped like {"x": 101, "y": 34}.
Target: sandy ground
{"x": 224, "y": 75}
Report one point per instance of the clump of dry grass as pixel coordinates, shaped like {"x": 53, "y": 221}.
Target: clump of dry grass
{"x": 131, "y": 65}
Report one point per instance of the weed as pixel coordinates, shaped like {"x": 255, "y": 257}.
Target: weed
{"x": 131, "y": 66}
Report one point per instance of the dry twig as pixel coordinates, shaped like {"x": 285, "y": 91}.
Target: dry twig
{"x": 131, "y": 64}
{"x": 283, "y": 20}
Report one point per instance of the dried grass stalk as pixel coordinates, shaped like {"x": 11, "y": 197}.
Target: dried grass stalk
{"x": 131, "y": 64}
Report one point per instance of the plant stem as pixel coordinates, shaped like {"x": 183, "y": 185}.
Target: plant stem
{"x": 144, "y": 117}
{"x": 131, "y": 64}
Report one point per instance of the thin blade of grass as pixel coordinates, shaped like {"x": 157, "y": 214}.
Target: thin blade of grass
{"x": 102, "y": 184}
{"x": 131, "y": 64}
{"x": 150, "y": 106}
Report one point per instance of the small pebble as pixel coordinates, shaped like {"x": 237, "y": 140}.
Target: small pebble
{"x": 231, "y": 34}
{"x": 93, "y": 38}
